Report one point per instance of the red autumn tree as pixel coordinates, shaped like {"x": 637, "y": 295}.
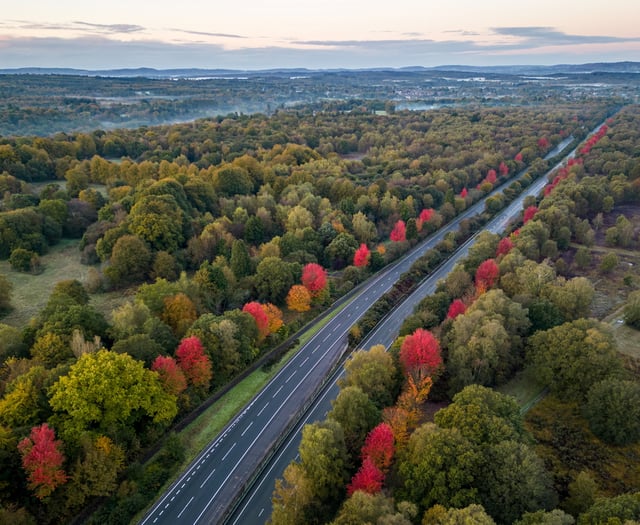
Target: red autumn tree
{"x": 456, "y": 308}
{"x": 426, "y": 214}
{"x": 362, "y": 256}
{"x": 274, "y": 317}
{"x": 503, "y": 169}
{"x": 543, "y": 143}
{"x": 529, "y": 214}
{"x": 518, "y": 157}
{"x": 420, "y": 355}
{"x": 504, "y": 246}
{"x": 171, "y": 375}
{"x": 256, "y": 311}
{"x": 491, "y": 176}
{"x": 299, "y": 298}
{"x": 314, "y": 278}
{"x": 194, "y": 362}
{"x": 42, "y": 460}
{"x": 399, "y": 232}
{"x": 486, "y": 275}
{"x": 379, "y": 446}
{"x": 368, "y": 479}
{"x": 464, "y": 193}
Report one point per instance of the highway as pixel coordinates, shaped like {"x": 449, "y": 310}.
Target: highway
{"x": 255, "y": 508}
{"x": 212, "y": 482}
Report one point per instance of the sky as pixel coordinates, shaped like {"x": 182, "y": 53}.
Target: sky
{"x": 265, "y": 34}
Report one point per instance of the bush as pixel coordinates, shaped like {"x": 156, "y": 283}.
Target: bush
{"x": 23, "y": 260}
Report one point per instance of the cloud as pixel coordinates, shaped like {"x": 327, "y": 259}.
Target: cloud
{"x": 100, "y": 48}
{"x": 205, "y": 33}
{"x": 548, "y": 36}
{"x": 110, "y": 28}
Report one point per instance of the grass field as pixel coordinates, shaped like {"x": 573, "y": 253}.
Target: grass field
{"x": 627, "y": 338}
{"x": 30, "y": 292}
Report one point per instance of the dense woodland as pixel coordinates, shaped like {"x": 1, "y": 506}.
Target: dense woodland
{"x": 517, "y": 303}
{"x": 228, "y": 234}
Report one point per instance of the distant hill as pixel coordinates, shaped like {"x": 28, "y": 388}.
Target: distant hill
{"x": 571, "y": 69}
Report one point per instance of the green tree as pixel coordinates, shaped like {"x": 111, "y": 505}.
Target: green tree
{"x": 572, "y": 357}
{"x": 439, "y": 465}
{"x": 357, "y": 415}
{"x": 106, "y": 392}
{"x": 374, "y": 372}
{"x": 483, "y": 416}
{"x": 473, "y": 514}
{"x": 11, "y": 344}
{"x": 23, "y": 260}
{"x": 240, "y": 260}
{"x": 608, "y": 263}
{"x": 130, "y": 261}
{"x": 51, "y": 350}
{"x": 157, "y": 219}
{"x": 292, "y": 498}
{"x": 540, "y": 517}
{"x": 513, "y": 481}
{"x": 619, "y": 509}
{"x": 582, "y": 494}
{"x": 362, "y": 507}
{"x": 341, "y": 249}
{"x": 274, "y": 278}
{"x": 613, "y": 411}
{"x": 323, "y": 457}
{"x": 139, "y": 346}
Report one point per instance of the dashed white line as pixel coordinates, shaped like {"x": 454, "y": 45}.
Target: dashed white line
{"x": 277, "y": 392}
{"x": 303, "y": 362}
{"x": 288, "y": 378}
{"x": 245, "y": 430}
{"x": 261, "y": 512}
{"x": 261, "y": 411}
{"x": 185, "y": 507}
{"x": 314, "y": 350}
{"x": 325, "y": 339}
{"x": 228, "y": 452}
{"x": 208, "y": 477}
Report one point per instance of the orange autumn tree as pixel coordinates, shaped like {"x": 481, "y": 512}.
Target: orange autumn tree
{"x": 299, "y": 298}
{"x": 274, "y": 317}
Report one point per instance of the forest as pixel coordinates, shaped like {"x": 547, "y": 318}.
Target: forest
{"x": 204, "y": 245}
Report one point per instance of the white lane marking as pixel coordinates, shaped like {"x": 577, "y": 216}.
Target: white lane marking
{"x": 248, "y": 449}
{"x": 277, "y": 392}
{"x": 314, "y": 350}
{"x": 261, "y": 411}
{"x": 326, "y": 337}
{"x": 288, "y": 378}
{"x": 303, "y": 362}
{"x": 245, "y": 430}
{"x": 208, "y": 477}
{"x": 228, "y": 452}
{"x": 261, "y": 512}
{"x": 185, "y": 507}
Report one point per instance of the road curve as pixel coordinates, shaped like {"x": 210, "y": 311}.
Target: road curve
{"x": 213, "y": 481}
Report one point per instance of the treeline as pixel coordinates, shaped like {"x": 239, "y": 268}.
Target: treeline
{"x": 223, "y": 232}
{"x": 516, "y": 303}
